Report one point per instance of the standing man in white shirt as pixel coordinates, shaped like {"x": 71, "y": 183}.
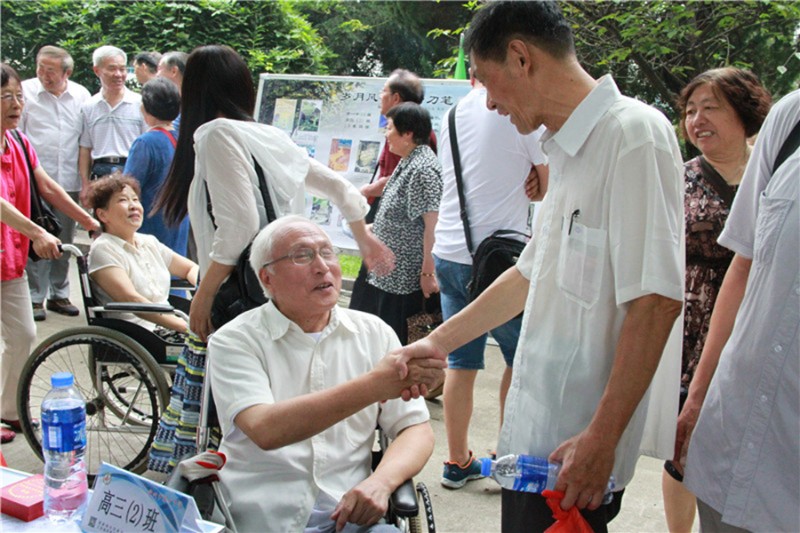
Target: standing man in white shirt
{"x": 601, "y": 283}
{"x": 51, "y": 119}
{"x": 112, "y": 119}
{"x": 495, "y": 163}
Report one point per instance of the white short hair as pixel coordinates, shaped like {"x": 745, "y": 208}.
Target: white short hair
{"x": 105, "y": 52}
{"x": 267, "y": 238}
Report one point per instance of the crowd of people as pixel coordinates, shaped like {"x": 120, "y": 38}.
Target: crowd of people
{"x": 629, "y": 248}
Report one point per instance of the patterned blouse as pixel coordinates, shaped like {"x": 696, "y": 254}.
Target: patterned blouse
{"x": 415, "y": 188}
{"x": 706, "y": 261}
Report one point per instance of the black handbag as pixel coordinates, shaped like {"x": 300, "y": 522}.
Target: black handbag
{"x": 242, "y": 290}
{"x": 497, "y": 252}
{"x": 41, "y": 213}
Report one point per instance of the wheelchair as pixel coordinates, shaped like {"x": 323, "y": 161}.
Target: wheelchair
{"x": 122, "y": 370}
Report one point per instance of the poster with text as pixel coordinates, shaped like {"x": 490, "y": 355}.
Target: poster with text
{"x": 338, "y": 121}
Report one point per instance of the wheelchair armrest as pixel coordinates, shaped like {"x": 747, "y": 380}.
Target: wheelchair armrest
{"x": 138, "y": 307}
{"x": 181, "y": 284}
{"x": 404, "y": 500}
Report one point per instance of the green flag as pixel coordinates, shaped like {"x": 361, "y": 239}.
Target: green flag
{"x": 461, "y": 65}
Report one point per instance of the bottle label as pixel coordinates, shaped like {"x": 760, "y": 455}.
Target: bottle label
{"x": 64, "y": 430}
{"x": 531, "y": 474}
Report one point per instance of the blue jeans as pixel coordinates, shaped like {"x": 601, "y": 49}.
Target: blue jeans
{"x": 453, "y": 279}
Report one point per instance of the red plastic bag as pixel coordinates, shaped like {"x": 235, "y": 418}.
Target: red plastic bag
{"x": 570, "y": 521}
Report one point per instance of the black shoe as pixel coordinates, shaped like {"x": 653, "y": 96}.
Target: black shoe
{"x": 62, "y": 306}
{"x": 17, "y": 426}
{"x": 39, "y": 314}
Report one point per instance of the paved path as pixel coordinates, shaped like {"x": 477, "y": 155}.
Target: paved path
{"x": 476, "y": 507}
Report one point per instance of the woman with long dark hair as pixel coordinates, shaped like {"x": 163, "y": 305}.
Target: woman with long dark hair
{"x": 213, "y": 178}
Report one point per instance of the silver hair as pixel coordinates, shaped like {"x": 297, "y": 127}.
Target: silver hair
{"x": 267, "y": 238}
{"x": 104, "y": 52}
{"x": 67, "y": 63}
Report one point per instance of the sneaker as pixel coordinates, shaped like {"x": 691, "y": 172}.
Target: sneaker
{"x": 39, "y": 314}
{"x": 6, "y": 435}
{"x": 456, "y": 476}
{"x": 16, "y": 426}
{"x": 62, "y": 306}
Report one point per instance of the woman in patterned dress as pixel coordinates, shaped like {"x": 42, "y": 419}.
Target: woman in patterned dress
{"x": 720, "y": 109}
{"x": 407, "y": 217}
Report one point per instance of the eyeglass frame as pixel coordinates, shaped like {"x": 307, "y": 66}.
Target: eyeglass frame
{"x": 20, "y": 98}
{"x": 291, "y": 255}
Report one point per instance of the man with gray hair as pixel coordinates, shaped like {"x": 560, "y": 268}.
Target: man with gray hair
{"x": 112, "y": 119}
{"x": 51, "y": 119}
{"x": 299, "y": 385}
{"x": 172, "y": 66}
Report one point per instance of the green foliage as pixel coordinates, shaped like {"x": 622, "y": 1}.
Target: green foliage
{"x": 350, "y": 264}
{"x": 655, "y": 48}
{"x": 271, "y": 36}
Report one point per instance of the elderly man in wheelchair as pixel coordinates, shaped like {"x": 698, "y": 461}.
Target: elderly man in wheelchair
{"x": 300, "y": 385}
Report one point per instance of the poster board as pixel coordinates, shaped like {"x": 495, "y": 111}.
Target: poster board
{"x": 337, "y": 119}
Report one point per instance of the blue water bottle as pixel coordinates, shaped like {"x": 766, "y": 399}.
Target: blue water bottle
{"x": 527, "y": 473}
{"x": 64, "y": 445}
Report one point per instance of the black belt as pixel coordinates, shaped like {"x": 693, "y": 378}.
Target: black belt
{"x": 110, "y": 160}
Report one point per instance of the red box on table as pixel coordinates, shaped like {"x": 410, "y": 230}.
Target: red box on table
{"x": 24, "y": 499}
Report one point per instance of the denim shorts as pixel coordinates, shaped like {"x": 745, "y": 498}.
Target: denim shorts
{"x": 453, "y": 279}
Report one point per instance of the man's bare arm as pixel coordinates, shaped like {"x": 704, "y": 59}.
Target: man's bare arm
{"x": 84, "y": 169}
{"x": 731, "y": 294}
{"x": 588, "y": 457}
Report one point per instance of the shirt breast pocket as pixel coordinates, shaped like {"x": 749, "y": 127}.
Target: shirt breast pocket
{"x": 772, "y": 214}
{"x": 581, "y": 260}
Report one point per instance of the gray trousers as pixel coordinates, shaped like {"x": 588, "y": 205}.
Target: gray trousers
{"x": 50, "y": 278}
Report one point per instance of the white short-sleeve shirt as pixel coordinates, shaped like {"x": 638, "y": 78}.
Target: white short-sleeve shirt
{"x": 263, "y": 357}
{"x": 110, "y": 131}
{"x": 495, "y": 161}
{"x": 146, "y": 264}
{"x": 609, "y": 231}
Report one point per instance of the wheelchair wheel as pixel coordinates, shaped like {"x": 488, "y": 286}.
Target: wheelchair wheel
{"x": 124, "y": 388}
{"x": 423, "y": 522}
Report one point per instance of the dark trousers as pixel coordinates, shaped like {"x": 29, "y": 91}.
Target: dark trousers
{"x": 103, "y": 169}
{"x": 529, "y": 513}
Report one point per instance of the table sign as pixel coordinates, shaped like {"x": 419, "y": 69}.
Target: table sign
{"x": 123, "y": 502}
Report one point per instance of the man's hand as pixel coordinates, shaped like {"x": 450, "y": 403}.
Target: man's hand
{"x": 687, "y": 419}
{"x": 363, "y": 505}
{"x": 422, "y": 349}
{"x": 429, "y": 285}
{"x": 84, "y": 195}
{"x": 586, "y": 463}
{"x": 535, "y": 186}
{"x": 400, "y": 376}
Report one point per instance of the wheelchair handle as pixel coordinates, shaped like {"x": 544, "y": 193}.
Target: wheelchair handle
{"x": 70, "y": 248}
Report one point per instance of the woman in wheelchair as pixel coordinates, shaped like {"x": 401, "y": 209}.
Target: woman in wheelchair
{"x": 126, "y": 266}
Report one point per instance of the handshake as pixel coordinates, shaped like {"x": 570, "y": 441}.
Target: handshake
{"x": 411, "y": 371}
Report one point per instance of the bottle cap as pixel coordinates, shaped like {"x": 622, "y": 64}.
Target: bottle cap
{"x": 61, "y": 379}
{"x": 486, "y": 466}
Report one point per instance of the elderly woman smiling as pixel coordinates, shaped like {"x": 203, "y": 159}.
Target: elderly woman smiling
{"x": 127, "y": 266}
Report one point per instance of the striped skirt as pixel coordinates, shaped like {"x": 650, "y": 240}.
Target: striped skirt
{"x": 177, "y": 429}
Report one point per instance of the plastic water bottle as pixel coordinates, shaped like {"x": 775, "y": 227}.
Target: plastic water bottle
{"x": 64, "y": 444}
{"x": 527, "y": 473}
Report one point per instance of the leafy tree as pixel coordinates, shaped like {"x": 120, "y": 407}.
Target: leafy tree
{"x": 271, "y": 36}
{"x": 655, "y": 48}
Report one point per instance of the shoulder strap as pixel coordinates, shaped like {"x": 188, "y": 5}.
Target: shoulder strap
{"x": 262, "y": 186}
{"x": 169, "y": 136}
{"x": 451, "y": 125}
{"x": 36, "y": 206}
{"x": 722, "y": 188}
{"x": 790, "y": 145}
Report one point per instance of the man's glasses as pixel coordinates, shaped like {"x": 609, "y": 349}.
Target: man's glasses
{"x": 304, "y": 256}
{"x": 8, "y": 97}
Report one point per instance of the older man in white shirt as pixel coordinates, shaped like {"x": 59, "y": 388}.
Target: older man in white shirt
{"x": 51, "y": 119}
{"x": 298, "y": 384}
{"x": 112, "y": 119}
